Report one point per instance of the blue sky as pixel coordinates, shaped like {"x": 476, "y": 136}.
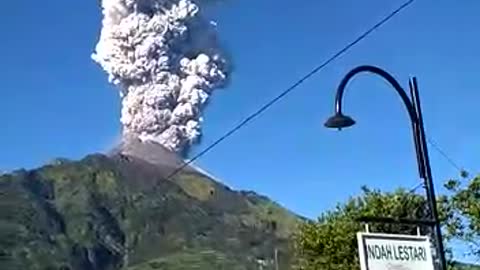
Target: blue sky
{"x": 57, "y": 102}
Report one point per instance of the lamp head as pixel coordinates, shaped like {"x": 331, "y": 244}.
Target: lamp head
{"x": 339, "y": 121}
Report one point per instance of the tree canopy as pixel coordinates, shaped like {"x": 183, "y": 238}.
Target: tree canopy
{"x": 463, "y": 213}
{"x": 330, "y": 242}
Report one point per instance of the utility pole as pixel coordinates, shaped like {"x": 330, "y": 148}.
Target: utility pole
{"x": 276, "y": 259}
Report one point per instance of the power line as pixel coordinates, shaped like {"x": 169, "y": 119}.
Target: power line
{"x": 462, "y": 171}
{"x": 439, "y": 150}
{"x": 415, "y": 188}
{"x": 292, "y": 87}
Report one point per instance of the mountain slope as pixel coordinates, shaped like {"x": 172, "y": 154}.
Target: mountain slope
{"x": 109, "y": 212}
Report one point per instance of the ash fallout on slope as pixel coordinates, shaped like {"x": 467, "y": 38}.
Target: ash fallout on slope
{"x": 164, "y": 57}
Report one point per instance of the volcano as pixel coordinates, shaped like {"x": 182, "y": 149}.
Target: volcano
{"x": 154, "y": 153}
{"x": 118, "y": 211}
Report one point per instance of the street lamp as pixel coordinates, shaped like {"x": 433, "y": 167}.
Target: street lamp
{"x": 339, "y": 121}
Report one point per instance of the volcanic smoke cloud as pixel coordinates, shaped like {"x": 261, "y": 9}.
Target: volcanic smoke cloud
{"x": 165, "y": 59}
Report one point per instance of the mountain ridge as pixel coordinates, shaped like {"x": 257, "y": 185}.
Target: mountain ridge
{"x": 117, "y": 211}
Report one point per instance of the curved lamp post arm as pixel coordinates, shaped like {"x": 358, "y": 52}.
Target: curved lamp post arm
{"x": 414, "y": 111}
{"x": 411, "y": 109}
{"x": 389, "y": 78}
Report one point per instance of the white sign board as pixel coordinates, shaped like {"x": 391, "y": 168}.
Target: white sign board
{"x": 394, "y": 252}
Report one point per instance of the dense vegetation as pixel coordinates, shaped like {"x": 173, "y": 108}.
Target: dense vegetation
{"x": 330, "y": 242}
{"x": 463, "y": 209}
{"x": 111, "y": 213}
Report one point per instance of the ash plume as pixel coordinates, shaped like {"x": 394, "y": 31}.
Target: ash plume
{"x": 164, "y": 57}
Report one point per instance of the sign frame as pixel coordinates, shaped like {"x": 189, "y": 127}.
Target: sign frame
{"x": 362, "y": 238}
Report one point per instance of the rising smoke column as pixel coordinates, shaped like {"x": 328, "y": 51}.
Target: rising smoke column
{"x": 164, "y": 58}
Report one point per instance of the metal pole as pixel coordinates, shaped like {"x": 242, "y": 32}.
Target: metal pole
{"x": 414, "y": 110}
{"x": 415, "y": 132}
{"x": 429, "y": 185}
{"x": 276, "y": 259}
{"x": 382, "y": 73}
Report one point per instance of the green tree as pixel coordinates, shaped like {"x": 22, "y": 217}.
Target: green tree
{"x": 462, "y": 208}
{"x": 330, "y": 243}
